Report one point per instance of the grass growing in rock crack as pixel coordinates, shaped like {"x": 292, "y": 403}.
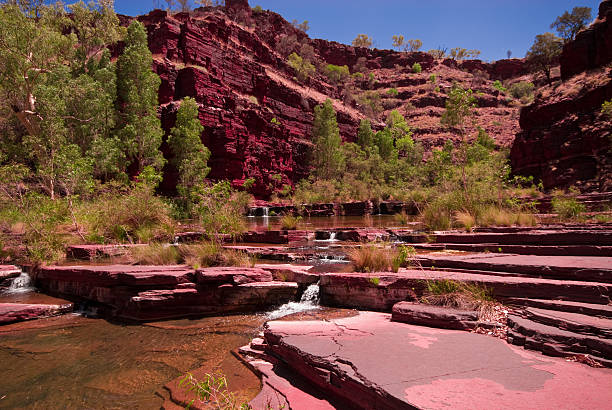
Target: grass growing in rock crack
{"x": 460, "y": 295}
{"x": 384, "y": 258}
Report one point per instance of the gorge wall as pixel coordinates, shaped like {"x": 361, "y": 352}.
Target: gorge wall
{"x": 565, "y": 138}
{"x": 258, "y": 117}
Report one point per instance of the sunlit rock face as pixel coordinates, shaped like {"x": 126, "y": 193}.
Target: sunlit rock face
{"x": 565, "y": 138}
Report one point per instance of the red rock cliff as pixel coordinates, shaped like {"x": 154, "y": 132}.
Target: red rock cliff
{"x": 225, "y": 58}
{"x": 565, "y": 139}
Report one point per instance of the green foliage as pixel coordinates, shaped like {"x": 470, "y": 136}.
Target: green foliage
{"x": 190, "y": 154}
{"x": 220, "y": 209}
{"x": 328, "y": 159}
{"x": 136, "y": 215}
{"x": 522, "y": 90}
{"x": 544, "y": 53}
{"x": 303, "y": 68}
{"x": 337, "y": 74}
{"x": 370, "y": 103}
{"x": 433, "y": 79}
{"x": 365, "y": 136}
{"x": 137, "y": 87}
{"x": 257, "y": 9}
{"x": 403, "y": 258}
{"x": 567, "y": 205}
{"x": 416, "y": 68}
{"x": 211, "y": 254}
{"x": 606, "y": 108}
{"x": 212, "y": 391}
{"x": 392, "y": 92}
{"x": 459, "y": 106}
{"x": 499, "y": 86}
{"x": 362, "y": 40}
{"x": 569, "y": 24}
{"x": 290, "y": 222}
{"x": 275, "y": 121}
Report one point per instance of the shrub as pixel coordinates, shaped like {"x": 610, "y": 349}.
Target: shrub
{"x": 362, "y": 40}
{"x": 393, "y": 92}
{"x": 337, "y": 74}
{"x": 257, "y": 9}
{"x": 499, "y": 86}
{"x": 290, "y": 222}
{"x": 371, "y": 103}
{"x": 567, "y": 206}
{"x": 433, "y": 78}
{"x": 495, "y": 216}
{"x": 132, "y": 216}
{"x": 606, "y": 108}
{"x": 416, "y": 68}
{"x": 303, "y": 68}
{"x": 403, "y": 257}
{"x": 526, "y": 219}
{"x": 521, "y": 89}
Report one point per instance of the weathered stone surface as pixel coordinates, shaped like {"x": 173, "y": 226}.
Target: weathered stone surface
{"x": 359, "y": 360}
{"x": 18, "y": 312}
{"x": 233, "y": 276}
{"x": 531, "y": 237}
{"x": 434, "y": 316}
{"x": 276, "y": 237}
{"x": 565, "y": 306}
{"x": 291, "y": 273}
{"x": 360, "y": 291}
{"x": 548, "y": 250}
{"x": 553, "y": 341}
{"x": 590, "y": 268}
{"x": 574, "y": 322}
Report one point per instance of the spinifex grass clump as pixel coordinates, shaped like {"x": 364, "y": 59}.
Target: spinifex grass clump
{"x": 383, "y": 258}
{"x": 461, "y": 295}
{"x": 203, "y": 255}
{"x": 290, "y": 222}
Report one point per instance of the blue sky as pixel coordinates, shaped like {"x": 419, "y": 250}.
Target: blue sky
{"x": 492, "y": 26}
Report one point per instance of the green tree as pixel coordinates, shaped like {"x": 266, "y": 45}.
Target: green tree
{"x": 362, "y": 40}
{"x": 137, "y": 87}
{"x": 328, "y": 160}
{"x": 303, "y": 68}
{"x": 569, "y": 24}
{"x": 190, "y": 154}
{"x": 459, "y": 107}
{"x": 365, "y": 136}
{"x": 544, "y": 53}
{"x": 337, "y": 74}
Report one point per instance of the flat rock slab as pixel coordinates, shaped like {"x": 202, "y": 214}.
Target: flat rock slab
{"x": 534, "y": 237}
{"x": 9, "y": 271}
{"x": 91, "y": 252}
{"x": 592, "y": 268}
{"x": 17, "y": 312}
{"x": 434, "y": 316}
{"x": 119, "y": 275}
{"x": 360, "y": 291}
{"x": 378, "y": 364}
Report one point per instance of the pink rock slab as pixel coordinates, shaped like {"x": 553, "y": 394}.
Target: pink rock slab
{"x": 17, "y": 312}
{"x": 378, "y": 364}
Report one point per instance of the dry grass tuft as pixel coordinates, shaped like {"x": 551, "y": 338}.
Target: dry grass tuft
{"x": 460, "y": 295}
{"x": 207, "y": 254}
{"x": 465, "y": 219}
{"x": 290, "y": 222}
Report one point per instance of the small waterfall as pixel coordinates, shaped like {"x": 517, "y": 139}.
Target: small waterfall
{"x": 266, "y": 212}
{"x": 20, "y": 284}
{"x": 308, "y": 301}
